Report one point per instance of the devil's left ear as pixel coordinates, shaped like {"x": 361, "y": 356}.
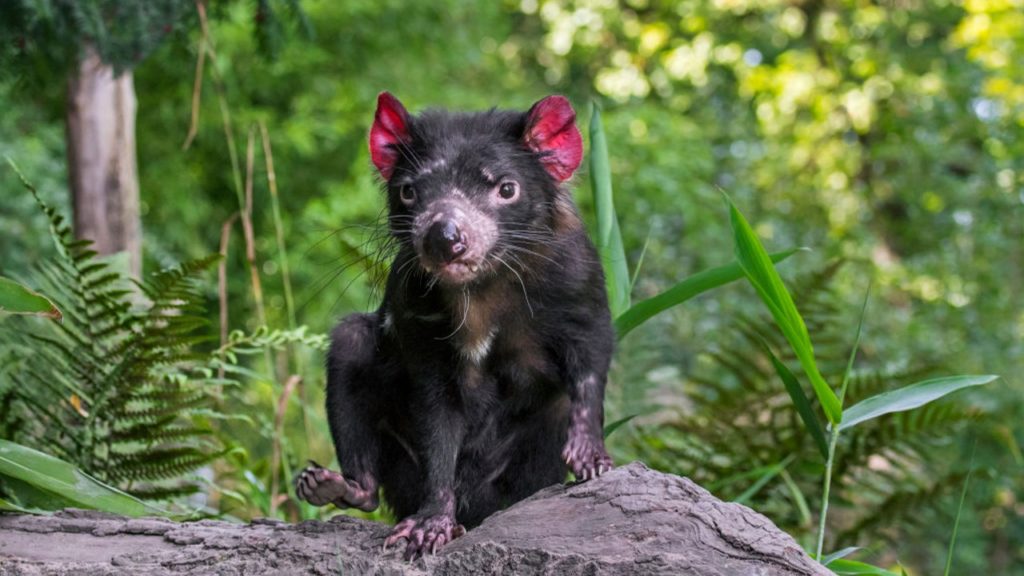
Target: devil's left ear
{"x": 390, "y": 130}
{"x": 551, "y": 132}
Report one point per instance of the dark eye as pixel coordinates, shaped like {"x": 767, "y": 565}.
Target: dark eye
{"x": 407, "y": 194}
{"x": 508, "y": 191}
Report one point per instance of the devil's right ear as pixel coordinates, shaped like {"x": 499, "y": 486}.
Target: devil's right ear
{"x": 390, "y": 131}
{"x": 551, "y": 132}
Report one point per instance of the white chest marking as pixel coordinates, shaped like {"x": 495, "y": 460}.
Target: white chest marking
{"x": 477, "y": 352}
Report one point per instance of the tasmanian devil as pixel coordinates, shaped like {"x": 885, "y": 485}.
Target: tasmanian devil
{"x": 481, "y": 377}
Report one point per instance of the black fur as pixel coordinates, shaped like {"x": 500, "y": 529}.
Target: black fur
{"x": 440, "y": 430}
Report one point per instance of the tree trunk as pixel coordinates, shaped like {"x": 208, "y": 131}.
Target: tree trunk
{"x": 101, "y": 158}
{"x": 631, "y": 521}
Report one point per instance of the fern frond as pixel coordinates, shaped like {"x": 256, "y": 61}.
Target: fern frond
{"x": 157, "y": 464}
{"x": 110, "y": 388}
{"x": 156, "y": 493}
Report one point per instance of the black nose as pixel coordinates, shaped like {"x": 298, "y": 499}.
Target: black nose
{"x": 445, "y": 241}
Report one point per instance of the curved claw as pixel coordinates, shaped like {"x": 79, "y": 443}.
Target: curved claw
{"x": 320, "y": 486}
{"x": 586, "y": 457}
{"x": 424, "y": 534}
{"x": 402, "y": 530}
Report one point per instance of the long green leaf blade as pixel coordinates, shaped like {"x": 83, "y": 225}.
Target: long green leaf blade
{"x": 693, "y": 286}
{"x": 63, "y": 480}
{"x": 798, "y": 498}
{"x": 758, "y": 268}
{"x": 609, "y": 238}
{"x": 839, "y": 554}
{"x": 801, "y": 402}
{"x": 617, "y": 424}
{"x": 909, "y": 397}
{"x": 843, "y": 567}
{"x": 769, "y": 473}
{"x": 856, "y": 346}
{"x": 18, "y": 299}
{"x": 8, "y": 506}
{"x": 959, "y": 510}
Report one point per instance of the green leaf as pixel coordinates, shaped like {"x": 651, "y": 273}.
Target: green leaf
{"x": 800, "y": 401}
{"x": 609, "y": 238}
{"x": 797, "y": 497}
{"x": 909, "y": 397}
{"x": 733, "y": 479}
{"x": 36, "y": 498}
{"x": 693, "y": 286}
{"x": 8, "y": 506}
{"x": 854, "y": 568}
{"x": 17, "y": 299}
{"x": 617, "y": 424}
{"x": 839, "y": 554}
{"x": 856, "y": 346}
{"x": 959, "y": 510}
{"x": 59, "y": 481}
{"x": 640, "y": 262}
{"x": 769, "y": 473}
{"x": 758, "y": 268}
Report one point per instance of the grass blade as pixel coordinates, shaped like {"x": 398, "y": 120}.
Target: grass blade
{"x": 844, "y": 567}
{"x": 798, "y": 498}
{"x": 639, "y": 262}
{"x": 758, "y": 268}
{"x": 909, "y": 397}
{"x": 693, "y": 286}
{"x": 856, "y": 346}
{"x": 800, "y": 401}
{"x": 839, "y": 554}
{"x": 609, "y": 238}
{"x": 959, "y": 510}
{"x": 617, "y": 424}
{"x": 769, "y": 473}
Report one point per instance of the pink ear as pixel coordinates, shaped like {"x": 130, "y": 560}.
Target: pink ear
{"x": 390, "y": 130}
{"x": 551, "y": 131}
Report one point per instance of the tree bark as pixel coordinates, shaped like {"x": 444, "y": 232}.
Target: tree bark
{"x": 101, "y": 158}
{"x": 630, "y": 521}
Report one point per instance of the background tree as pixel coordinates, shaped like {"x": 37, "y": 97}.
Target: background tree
{"x": 91, "y": 47}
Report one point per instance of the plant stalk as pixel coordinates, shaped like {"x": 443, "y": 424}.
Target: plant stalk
{"x": 275, "y": 456}
{"x": 833, "y": 440}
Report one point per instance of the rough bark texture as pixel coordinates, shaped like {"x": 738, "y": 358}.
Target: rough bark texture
{"x": 630, "y": 521}
{"x": 101, "y": 158}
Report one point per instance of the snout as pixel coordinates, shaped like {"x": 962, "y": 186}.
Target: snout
{"x": 445, "y": 242}
{"x": 453, "y": 238}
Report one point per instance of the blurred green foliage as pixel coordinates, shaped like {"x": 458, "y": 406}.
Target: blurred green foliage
{"x": 887, "y": 134}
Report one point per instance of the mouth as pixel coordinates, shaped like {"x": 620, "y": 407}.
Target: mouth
{"x": 456, "y": 273}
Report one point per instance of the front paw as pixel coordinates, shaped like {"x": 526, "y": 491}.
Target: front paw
{"x": 424, "y": 534}
{"x": 319, "y": 486}
{"x": 586, "y": 455}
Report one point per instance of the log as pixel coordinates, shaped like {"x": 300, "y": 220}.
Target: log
{"x": 630, "y": 521}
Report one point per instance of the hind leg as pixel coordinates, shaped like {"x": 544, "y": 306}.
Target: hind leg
{"x": 477, "y": 493}
{"x": 537, "y": 461}
{"x": 355, "y": 407}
